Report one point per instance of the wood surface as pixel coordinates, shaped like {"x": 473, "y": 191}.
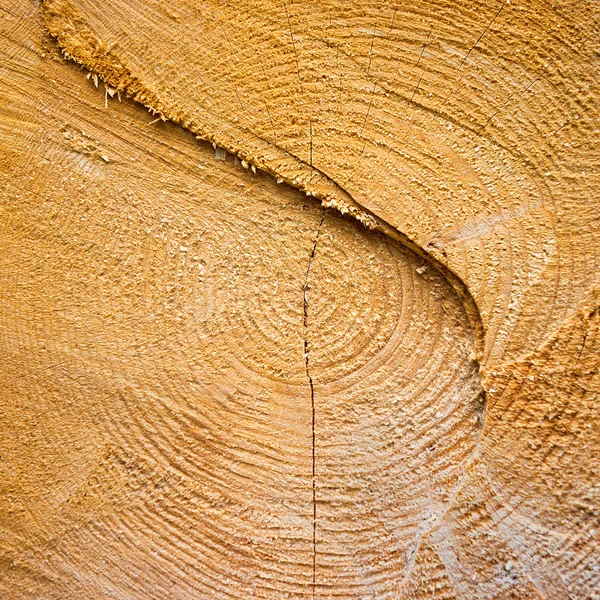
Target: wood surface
{"x": 299, "y": 299}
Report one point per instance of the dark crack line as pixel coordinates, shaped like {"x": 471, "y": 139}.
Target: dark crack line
{"x": 287, "y": 16}
{"x": 312, "y": 402}
{"x": 482, "y": 34}
{"x": 310, "y": 153}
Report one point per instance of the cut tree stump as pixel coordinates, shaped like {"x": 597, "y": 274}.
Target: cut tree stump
{"x": 299, "y": 300}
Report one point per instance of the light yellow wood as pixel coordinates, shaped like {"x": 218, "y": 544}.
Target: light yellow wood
{"x": 324, "y": 323}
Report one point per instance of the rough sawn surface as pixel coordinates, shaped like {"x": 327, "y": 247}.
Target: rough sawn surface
{"x": 214, "y": 384}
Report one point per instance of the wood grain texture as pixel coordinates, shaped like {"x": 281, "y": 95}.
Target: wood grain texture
{"x": 214, "y": 384}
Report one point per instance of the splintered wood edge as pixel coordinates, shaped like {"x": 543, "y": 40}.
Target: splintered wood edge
{"x": 80, "y": 45}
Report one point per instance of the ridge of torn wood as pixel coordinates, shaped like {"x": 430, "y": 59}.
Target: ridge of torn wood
{"x": 80, "y": 44}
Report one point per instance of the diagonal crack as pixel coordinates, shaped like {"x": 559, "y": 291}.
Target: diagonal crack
{"x": 305, "y": 289}
{"x": 80, "y": 44}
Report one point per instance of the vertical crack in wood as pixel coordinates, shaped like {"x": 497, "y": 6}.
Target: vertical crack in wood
{"x": 310, "y": 152}
{"x": 312, "y": 402}
{"x": 287, "y": 16}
